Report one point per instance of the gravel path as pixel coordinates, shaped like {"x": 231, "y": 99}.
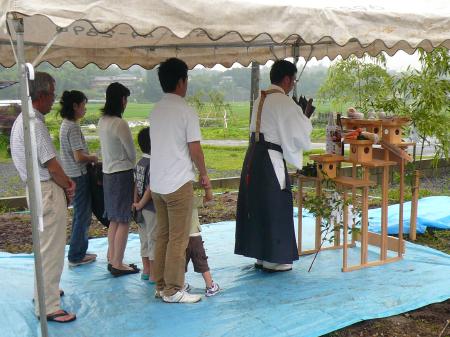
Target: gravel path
{"x": 10, "y": 183}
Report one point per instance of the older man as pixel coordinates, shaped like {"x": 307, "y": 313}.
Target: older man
{"x": 56, "y": 189}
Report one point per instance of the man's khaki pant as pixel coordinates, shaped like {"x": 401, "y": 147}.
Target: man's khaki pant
{"x": 174, "y": 215}
{"x": 52, "y": 241}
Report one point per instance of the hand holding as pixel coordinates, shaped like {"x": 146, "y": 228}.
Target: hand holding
{"x": 70, "y": 190}
{"x": 208, "y": 195}
{"x": 204, "y": 182}
{"x": 137, "y": 206}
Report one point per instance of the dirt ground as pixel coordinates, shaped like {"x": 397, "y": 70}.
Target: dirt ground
{"x": 15, "y": 237}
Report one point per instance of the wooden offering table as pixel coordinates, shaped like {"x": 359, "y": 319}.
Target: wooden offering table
{"x": 365, "y": 158}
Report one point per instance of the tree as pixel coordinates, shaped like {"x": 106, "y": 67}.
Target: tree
{"x": 356, "y": 81}
{"x": 424, "y": 96}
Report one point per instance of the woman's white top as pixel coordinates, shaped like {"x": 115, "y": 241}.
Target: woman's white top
{"x": 117, "y": 146}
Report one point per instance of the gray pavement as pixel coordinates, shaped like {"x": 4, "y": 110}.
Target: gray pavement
{"x": 235, "y": 142}
{"x": 428, "y": 148}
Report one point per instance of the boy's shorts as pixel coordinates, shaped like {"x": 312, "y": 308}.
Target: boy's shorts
{"x": 147, "y": 234}
{"x": 196, "y": 252}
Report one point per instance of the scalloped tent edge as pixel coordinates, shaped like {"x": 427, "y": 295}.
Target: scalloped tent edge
{"x": 241, "y": 31}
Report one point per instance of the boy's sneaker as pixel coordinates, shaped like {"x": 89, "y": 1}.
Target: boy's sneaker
{"x": 182, "y": 297}
{"x": 213, "y": 290}
{"x": 186, "y": 287}
{"x": 158, "y": 294}
{"x": 88, "y": 258}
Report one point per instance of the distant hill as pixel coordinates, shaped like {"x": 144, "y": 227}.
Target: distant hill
{"x": 234, "y": 83}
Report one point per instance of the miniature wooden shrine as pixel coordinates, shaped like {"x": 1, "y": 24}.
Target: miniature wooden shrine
{"x": 363, "y": 156}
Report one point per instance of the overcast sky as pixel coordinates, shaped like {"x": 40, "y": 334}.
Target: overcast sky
{"x": 399, "y": 62}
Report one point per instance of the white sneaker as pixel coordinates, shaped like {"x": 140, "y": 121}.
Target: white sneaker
{"x": 182, "y": 297}
{"x": 186, "y": 287}
{"x": 273, "y": 267}
{"x": 259, "y": 264}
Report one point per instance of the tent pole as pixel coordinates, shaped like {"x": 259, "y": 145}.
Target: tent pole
{"x": 295, "y": 54}
{"x": 33, "y": 181}
{"x": 254, "y": 88}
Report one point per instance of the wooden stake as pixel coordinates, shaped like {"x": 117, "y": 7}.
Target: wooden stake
{"x": 354, "y": 203}
{"x": 345, "y": 234}
{"x": 384, "y": 212}
{"x": 300, "y": 214}
{"x": 318, "y": 240}
{"x": 400, "y": 211}
{"x": 414, "y": 201}
{"x": 365, "y": 219}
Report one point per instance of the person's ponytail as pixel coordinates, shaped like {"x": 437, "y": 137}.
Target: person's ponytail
{"x": 68, "y": 98}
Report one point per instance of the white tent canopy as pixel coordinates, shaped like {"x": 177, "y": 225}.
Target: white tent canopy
{"x": 145, "y": 32}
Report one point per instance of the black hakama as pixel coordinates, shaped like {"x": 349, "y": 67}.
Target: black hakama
{"x": 264, "y": 219}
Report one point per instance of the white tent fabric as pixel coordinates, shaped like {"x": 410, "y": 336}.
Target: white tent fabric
{"x": 145, "y": 32}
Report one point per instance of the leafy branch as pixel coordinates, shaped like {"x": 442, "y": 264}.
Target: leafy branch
{"x": 329, "y": 206}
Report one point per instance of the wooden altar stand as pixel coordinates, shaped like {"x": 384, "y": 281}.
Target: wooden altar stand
{"x": 362, "y": 156}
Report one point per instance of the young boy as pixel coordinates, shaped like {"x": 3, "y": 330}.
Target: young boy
{"x": 143, "y": 205}
{"x": 196, "y": 251}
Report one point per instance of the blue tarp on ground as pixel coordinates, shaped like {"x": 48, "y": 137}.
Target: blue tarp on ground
{"x": 252, "y": 303}
{"x": 431, "y": 212}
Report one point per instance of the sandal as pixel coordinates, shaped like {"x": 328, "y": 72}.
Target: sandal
{"x": 53, "y": 317}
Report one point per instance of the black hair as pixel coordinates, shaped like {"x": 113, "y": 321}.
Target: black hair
{"x": 114, "y": 95}
{"x": 280, "y": 69}
{"x": 170, "y": 72}
{"x": 68, "y": 98}
{"x": 144, "y": 140}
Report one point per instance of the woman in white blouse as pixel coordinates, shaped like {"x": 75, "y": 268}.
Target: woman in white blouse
{"x": 119, "y": 157}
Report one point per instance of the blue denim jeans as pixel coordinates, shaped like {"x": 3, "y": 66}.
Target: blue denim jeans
{"x": 82, "y": 215}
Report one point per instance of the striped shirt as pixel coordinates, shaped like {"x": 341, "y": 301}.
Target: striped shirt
{"x": 72, "y": 139}
{"x": 45, "y": 148}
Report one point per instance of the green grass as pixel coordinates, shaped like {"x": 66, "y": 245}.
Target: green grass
{"x": 224, "y": 161}
{"x": 221, "y": 133}
{"x": 318, "y": 135}
{"x": 238, "y": 121}
{"x": 4, "y": 142}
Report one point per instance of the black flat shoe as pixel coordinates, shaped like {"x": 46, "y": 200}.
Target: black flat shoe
{"x": 121, "y": 272}
{"x": 132, "y": 265}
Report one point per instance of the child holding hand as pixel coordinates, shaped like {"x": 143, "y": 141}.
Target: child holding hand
{"x": 196, "y": 251}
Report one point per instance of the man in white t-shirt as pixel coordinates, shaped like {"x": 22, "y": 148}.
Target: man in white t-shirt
{"x": 175, "y": 137}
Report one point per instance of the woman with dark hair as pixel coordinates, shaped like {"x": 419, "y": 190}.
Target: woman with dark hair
{"x": 75, "y": 157}
{"x": 119, "y": 157}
